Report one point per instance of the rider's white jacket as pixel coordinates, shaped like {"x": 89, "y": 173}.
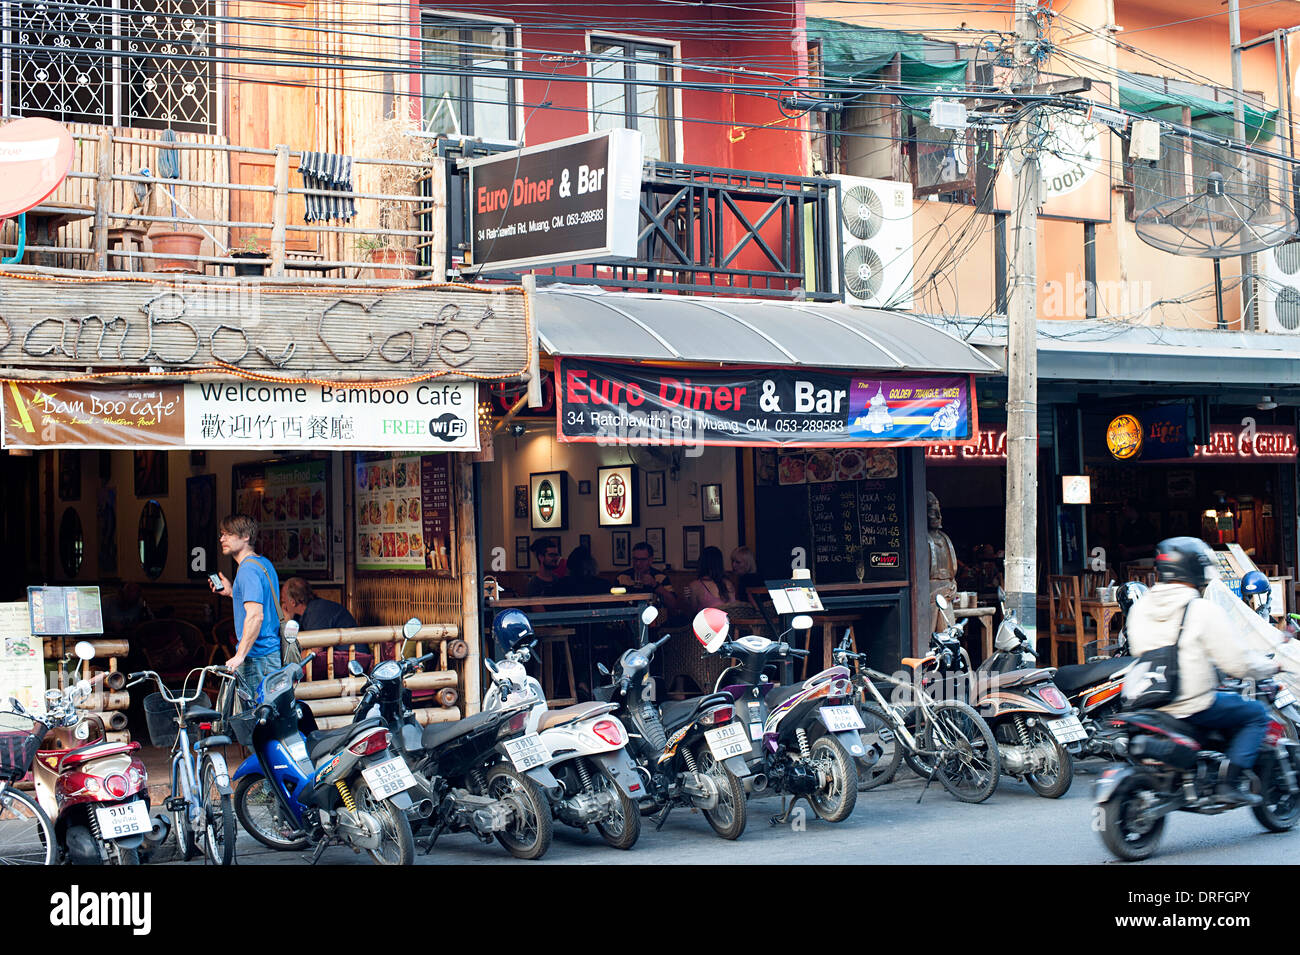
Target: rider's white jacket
{"x": 1208, "y": 642}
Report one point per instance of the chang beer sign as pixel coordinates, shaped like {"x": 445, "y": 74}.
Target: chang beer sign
{"x": 576, "y": 200}
{"x": 549, "y": 494}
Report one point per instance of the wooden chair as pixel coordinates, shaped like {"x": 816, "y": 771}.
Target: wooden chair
{"x": 171, "y": 648}
{"x": 1143, "y": 575}
{"x": 1092, "y": 581}
{"x": 1064, "y": 616}
{"x": 551, "y": 640}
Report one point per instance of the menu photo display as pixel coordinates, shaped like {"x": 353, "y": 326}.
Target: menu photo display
{"x": 403, "y": 512}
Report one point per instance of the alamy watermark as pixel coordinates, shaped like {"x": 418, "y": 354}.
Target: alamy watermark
{"x": 1071, "y": 298}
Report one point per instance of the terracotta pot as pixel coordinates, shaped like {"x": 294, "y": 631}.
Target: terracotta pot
{"x": 393, "y": 257}
{"x": 183, "y": 245}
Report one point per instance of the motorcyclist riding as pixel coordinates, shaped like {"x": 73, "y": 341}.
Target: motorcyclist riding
{"x": 1184, "y": 565}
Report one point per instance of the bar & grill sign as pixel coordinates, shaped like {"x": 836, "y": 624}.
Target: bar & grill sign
{"x": 575, "y": 200}
{"x": 612, "y": 403}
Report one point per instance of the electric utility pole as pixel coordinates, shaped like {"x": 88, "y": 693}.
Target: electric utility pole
{"x": 1021, "y": 559}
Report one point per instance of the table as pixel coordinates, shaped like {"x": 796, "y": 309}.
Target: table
{"x": 1103, "y": 612}
{"x": 985, "y": 616}
{"x": 47, "y": 219}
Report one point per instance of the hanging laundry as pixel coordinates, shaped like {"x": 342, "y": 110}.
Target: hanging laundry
{"x": 328, "y": 172}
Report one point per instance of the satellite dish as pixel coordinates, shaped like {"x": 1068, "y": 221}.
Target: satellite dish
{"x": 35, "y": 156}
{"x": 1211, "y": 201}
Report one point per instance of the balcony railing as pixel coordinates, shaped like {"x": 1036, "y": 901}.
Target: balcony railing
{"x": 702, "y": 230}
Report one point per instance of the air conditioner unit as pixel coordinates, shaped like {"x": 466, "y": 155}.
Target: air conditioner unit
{"x": 1277, "y": 289}
{"x": 874, "y": 217}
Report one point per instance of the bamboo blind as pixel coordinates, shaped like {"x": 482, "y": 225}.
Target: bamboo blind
{"x": 391, "y": 601}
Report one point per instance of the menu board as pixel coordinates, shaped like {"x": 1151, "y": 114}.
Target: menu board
{"x": 846, "y": 529}
{"x": 290, "y": 503}
{"x": 403, "y": 507}
{"x": 64, "y": 611}
{"x": 22, "y": 658}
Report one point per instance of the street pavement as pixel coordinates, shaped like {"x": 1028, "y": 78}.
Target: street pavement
{"x": 888, "y": 827}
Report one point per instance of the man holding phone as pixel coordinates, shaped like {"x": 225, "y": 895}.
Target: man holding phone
{"x": 256, "y": 601}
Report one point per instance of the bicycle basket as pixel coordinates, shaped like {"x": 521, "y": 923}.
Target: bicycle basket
{"x": 241, "y": 725}
{"x": 20, "y": 737}
{"x": 160, "y": 717}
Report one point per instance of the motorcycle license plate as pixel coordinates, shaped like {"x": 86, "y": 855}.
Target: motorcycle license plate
{"x": 727, "y": 741}
{"x": 527, "y": 752}
{"x": 1283, "y": 698}
{"x": 388, "y": 778}
{"x": 841, "y": 718}
{"x": 128, "y": 819}
{"x": 1068, "y": 729}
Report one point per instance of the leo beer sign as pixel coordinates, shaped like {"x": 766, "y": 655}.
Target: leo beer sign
{"x": 576, "y": 200}
{"x": 618, "y": 495}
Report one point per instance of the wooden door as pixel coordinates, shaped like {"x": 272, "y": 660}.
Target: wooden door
{"x": 270, "y": 105}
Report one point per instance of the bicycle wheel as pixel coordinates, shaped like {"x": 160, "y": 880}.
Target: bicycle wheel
{"x": 26, "y": 836}
{"x": 883, "y": 746}
{"x": 966, "y": 752}
{"x": 186, "y": 838}
{"x": 219, "y": 825}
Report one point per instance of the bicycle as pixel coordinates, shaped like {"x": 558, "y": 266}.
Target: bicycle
{"x": 947, "y": 740}
{"x": 26, "y": 834}
{"x": 201, "y": 801}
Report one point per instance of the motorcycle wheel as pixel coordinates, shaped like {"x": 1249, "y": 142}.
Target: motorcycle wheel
{"x": 880, "y": 738}
{"x": 1055, "y": 781}
{"x": 1280, "y": 810}
{"x": 261, "y": 816}
{"x": 623, "y": 830}
{"x": 1121, "y": 831}
{"x": 728, "y": 817}
{"x": 834, "y": 801}
{"x": 968, "y": 759}
{"x": 530, "y": 836}
{"x": 396, "y": 844}
{"x": 120, "y": 855}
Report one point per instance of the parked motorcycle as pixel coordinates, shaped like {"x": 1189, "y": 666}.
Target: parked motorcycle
{"x": 95, "y": 792}
{"x": 305, "y": 787}
{"x": 484, "y": 774}
{"x": 1176, "y": 768}
{"x": 804, "y": 738}
{"x": 689, "y": 752}
{"x": 1032, "y": 721}
{"x": 586, "y": 747}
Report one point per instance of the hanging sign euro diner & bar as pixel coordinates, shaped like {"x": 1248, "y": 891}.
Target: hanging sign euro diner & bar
{"x": 613, "y": 403}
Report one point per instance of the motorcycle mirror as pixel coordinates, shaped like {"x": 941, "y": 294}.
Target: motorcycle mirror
{"x": 355, "y": 668}
{"x": 411, "y": 628}
{"x": 491, "y": 665}
{"x": 291, "y": 628}
{"x": 1002, "y": 596}
{"x": 649, "y": 615}
{"x": 604, "y": 670}
{"x": 85, "y": 650}
{"x": 942, "y": 601}
{"x": 801, "y": 622}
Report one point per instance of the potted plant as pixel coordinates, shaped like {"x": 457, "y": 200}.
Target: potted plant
{"x": 183, "y": 247}
{"x": 396, "y": 139}
{"x": 249, "y": 249}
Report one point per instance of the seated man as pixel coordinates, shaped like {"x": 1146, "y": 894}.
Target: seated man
{"x": 1173, "y": 611}
{"x": 545, "y": 582}
{"x": 643, "y": 578}
{"x": 316, "y": 613}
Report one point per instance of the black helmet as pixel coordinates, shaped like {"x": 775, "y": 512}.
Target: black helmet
{"x": 1184, "y": 560}
{"x": 1130, "y": 594}
{"x": 510, "y": 629}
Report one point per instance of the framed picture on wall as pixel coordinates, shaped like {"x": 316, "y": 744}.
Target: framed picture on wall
{"x": 150, "y": 473}
{"x": 692, "y": 545}
{"x": 521, "y": 501}
{"x": 622, "y": 549}
{"x": 616, "y": 497}
{"x": 711, "y": 502}
{"x": 584, "y": 487}
{"x": 584, "y": 540}
{"x": 523, "y": 558}
{"x": 654, "y": 536}
{"x": 655, "y": 494}
{"x": 548, "y": 500}
{"x": 201, "y": 525}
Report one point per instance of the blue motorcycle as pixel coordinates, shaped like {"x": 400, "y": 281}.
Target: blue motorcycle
{"x": 304, "y": 787}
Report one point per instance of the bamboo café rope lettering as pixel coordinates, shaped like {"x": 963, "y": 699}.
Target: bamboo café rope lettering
{"x": 479, "y": 333}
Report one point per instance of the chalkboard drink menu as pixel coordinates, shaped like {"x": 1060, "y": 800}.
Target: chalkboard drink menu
{"x": 848, "y": 529}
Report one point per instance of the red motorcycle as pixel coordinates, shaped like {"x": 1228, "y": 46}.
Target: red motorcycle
{"x": 95, "y": 792}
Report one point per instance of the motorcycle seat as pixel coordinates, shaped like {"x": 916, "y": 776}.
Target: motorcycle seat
{"x": 1074, "y": 677}
{"x": 1157, "y": 721}
{"x": 435, "y": 734}
{"x": 1003, "y": 681}
{"x": 572, "y": 714}
{"x": 94, "y": 751}
{"x": 782, "y": 693}
{"x": 675, "y": 714}
{"x": 321, "y": 742}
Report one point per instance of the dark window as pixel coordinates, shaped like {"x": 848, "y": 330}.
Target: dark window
{"x": 469, "y": 89}
{"x": 632, "y": 89}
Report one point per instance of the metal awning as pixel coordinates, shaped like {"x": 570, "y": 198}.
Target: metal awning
{"x": 698, "y": 330}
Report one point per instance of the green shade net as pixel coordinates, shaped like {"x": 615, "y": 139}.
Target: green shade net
{"x": 857, "y": 53}
{"x": 1207, "y": 114}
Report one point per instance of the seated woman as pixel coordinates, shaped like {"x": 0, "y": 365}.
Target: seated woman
{"x": 710, "y": 588}
{"x": 744, "y": 573}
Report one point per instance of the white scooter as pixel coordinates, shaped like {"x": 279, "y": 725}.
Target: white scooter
{"x": 584, "y": 747}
